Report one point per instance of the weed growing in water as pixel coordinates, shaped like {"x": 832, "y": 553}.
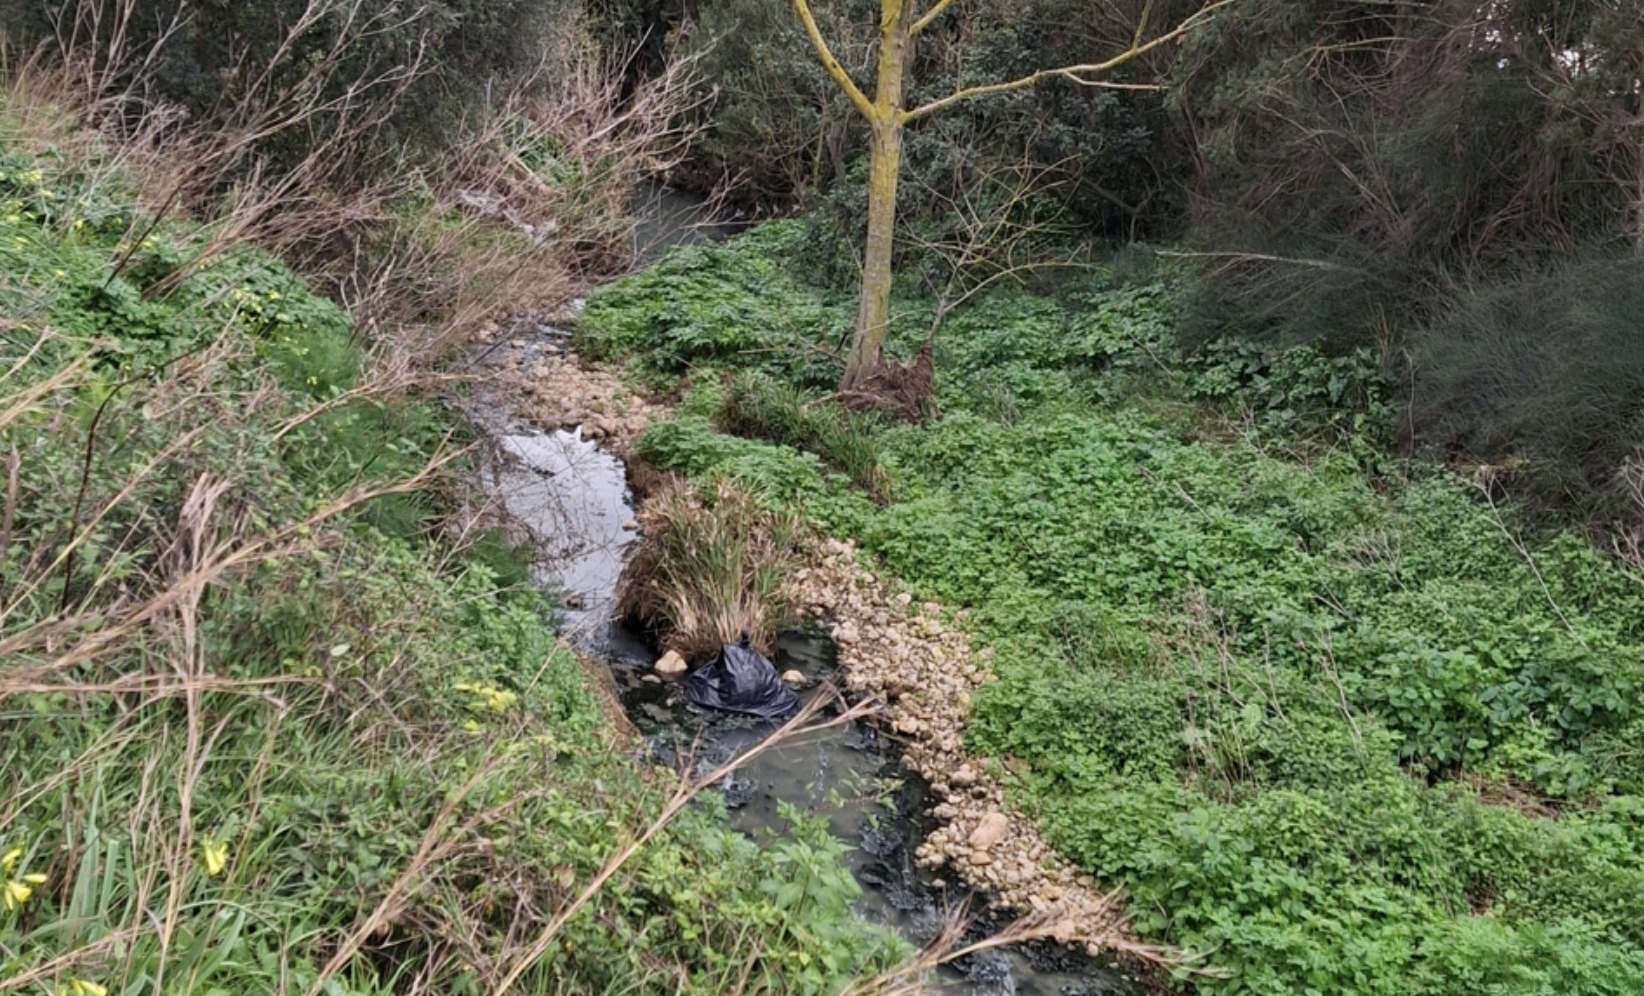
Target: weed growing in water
{"x": 710, "y": 566}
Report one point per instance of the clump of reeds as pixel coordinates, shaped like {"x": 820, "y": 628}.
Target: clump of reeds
{"x": 710, "y": 567}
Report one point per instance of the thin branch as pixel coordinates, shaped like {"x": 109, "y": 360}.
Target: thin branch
{"x": 931, "y": 15}
{"x": 1080, "y": 74}
{"x": 687, "y": 790}
{"x": 1529, "y": 561}
{"x": 1258, "y": 257}
{"x": 830, "y": 63}
{"x": 1141, "y": 24}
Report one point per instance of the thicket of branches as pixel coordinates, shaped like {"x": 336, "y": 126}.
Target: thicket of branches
{"x": 1458, "y": 183}
{"x": 427, "y": 65}
{"x": 783, "y": 135}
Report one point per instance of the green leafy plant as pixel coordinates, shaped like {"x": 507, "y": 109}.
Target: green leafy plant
{"x": 1335, "y": 731}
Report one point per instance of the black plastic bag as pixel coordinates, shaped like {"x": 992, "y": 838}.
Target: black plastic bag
{"x": 740, "y": 680}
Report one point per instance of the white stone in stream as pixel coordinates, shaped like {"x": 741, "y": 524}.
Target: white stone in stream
{"x": 993, "y": 829}
{"x": 671, "y": 665}
{"x": 793, "y": 677}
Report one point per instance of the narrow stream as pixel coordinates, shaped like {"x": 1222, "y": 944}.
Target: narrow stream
{"x": 570, "y": 496}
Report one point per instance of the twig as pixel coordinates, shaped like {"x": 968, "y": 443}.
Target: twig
{"x": 688, "y": 789}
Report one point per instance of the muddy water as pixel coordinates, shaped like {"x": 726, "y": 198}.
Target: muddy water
{"x": 852, "y": 776}
{"x": 573, "y": 498}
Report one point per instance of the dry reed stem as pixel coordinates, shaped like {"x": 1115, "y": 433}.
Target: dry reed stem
{"x": 279, "y": 543}
{"x": 686, "y": 790}
{"x": 435, "y": 844}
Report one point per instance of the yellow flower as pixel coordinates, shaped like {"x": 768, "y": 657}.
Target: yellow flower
{"x": 16, "y": 891}
{"x": 17, "y": 894}
{"x": 215, "y": 857}
{"x": 487, "y": 698}
{"x": 85, "y": 987}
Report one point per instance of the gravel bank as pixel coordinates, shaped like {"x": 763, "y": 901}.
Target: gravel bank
{"x": 923, "y": 667}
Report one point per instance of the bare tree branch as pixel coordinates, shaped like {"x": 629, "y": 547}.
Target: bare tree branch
{"x": 1080, "y": 74}
{"x": 931, "y": 15}
{"x": 830, "y": 63}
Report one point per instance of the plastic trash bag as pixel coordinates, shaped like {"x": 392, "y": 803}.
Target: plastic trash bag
{"x": 739, "y": 679}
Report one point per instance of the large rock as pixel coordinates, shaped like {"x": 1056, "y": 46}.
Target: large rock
{"x": 993, "y": 829}
{"x": 672, "y": 665}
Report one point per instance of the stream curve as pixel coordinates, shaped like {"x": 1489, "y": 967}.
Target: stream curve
{"x": 566, "y": 491}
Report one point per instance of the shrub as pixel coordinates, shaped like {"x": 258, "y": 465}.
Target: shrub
{"x": 1542, "y": 377}
{"x": 733, "y": 304}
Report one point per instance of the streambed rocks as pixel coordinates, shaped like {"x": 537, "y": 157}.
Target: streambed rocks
{"x": 671, "y": 665}
{"x": 549, "y": 385}
{"x": 925, "y": 672}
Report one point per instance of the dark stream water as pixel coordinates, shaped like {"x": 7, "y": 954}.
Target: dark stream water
{"x": 571, "y": 497}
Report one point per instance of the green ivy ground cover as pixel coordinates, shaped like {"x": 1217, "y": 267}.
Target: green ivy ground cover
{"x": 1332, "y": 720}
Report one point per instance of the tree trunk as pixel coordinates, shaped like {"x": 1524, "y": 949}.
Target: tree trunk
{"x": 873, "y": 310}
{"x": 884, "y": 163}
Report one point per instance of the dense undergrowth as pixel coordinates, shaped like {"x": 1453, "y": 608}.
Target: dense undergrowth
{"x": 1338, "y": 723}
{"x": 266, "y": 729}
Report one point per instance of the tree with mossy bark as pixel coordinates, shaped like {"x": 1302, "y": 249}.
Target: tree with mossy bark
{"x": 888, "y": 116}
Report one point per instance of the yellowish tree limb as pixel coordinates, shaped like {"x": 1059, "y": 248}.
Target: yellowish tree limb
{"x": 1074, "y": 73}
{"x": 1080, "y": 74}
{"x": 930, "y": 15}
{"x": 1141, "y": 24}
{"x": 830, "y": 63}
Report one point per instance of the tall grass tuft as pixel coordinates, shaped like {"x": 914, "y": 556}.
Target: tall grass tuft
{"x": 711, "y": 566}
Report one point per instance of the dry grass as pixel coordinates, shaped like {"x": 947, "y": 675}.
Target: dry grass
{"x": 711, "y": 565}
{"x": 422, "y": 256}
{"x": 913, "y": 978}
